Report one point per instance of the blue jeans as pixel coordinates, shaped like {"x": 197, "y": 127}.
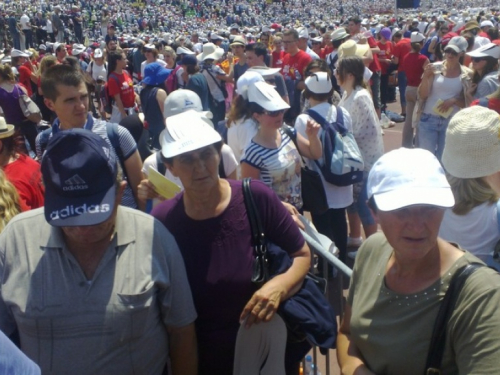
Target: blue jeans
{"x": 432, "y": 132}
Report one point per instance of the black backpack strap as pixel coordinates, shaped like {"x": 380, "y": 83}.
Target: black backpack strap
{"x": 114, "y": 138}
{"x": 160, "y": 167}
{"x": 438, "y": 340}
{"x": 222, "y": 171}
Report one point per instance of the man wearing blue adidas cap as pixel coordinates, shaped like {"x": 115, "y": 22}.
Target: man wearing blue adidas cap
{"x": 93, "y": 287}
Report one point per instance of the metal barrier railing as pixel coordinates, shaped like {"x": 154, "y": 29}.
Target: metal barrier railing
{"x": 330, "y": 259}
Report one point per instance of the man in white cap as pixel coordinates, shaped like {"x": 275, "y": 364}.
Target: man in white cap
{"x": 302, "y": 43}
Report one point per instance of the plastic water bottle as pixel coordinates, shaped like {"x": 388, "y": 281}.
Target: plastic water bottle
{"x": 312, "y": 370}
{"x": 308, "y": 369}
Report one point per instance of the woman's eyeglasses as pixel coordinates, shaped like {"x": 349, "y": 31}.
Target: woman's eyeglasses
{"x": 274, "y": 113}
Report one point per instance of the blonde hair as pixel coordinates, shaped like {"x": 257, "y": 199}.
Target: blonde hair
{"x": 170, "y": 51}
{"x": 6, "y": 73}
{"x": 470, "y": 193}
{"x": 9, "y": 201}
{"x": 46, "y": 62}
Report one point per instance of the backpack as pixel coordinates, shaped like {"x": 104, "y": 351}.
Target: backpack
{"x": 425, "y": 48}
{"x": 172, "y": 84}
{"x": 343, "y": 164}
{"x": 106, "y": 99}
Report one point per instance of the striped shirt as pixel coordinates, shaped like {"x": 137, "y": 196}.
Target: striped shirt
{"x": 279, "y": 168}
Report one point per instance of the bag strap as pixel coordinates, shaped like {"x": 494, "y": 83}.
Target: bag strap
{"x": 438, "y": 340}
{"x": 258, "y": 236}
{"x": 483, "y": 102}
{"x": 210, "y": 74}
{"x": 293, "y": 136}
{"x": 338, "y": 125}
{"x": 114, "y": 138}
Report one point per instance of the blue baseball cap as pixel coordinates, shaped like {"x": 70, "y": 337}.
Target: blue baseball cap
{"x": 154, "y": 74}
{"x": 189, "y": 60}
{"x": 79, "y": 172}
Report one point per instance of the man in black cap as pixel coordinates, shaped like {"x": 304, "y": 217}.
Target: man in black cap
{"x": 104, "y": 289}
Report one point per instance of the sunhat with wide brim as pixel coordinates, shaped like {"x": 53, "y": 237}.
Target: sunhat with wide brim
{"x": 210, "y": 52}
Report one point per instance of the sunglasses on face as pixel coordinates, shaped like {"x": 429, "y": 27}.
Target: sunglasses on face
{"x": 477, "y": 59}
{"x": 451, "y": 52}
{"x": 274, "y": 113}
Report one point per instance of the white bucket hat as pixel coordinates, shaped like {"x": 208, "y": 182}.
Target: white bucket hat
{"x": 186, "y": 132}
{"x": 210, "y": 52}
{"x": 472, "y": 144}
{"x": 407, "y": 177}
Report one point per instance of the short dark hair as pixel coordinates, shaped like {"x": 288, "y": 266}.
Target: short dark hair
{"x": 259, "y": 48}
{"x": 356, "y": 20}
{"x": 291, "y": 32}
{"x": 60, "y": 75}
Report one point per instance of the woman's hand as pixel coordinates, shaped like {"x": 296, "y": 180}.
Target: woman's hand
{"x": 447, "y": 104}
{"x": 312, "y": 129}
{"x": 263, "y": 304}
{"x": 146, "y": 191}
{"x": 295, "y": 214}
{"x": 429, "y": 71}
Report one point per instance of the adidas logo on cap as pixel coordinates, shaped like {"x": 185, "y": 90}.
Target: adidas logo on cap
{"x": 75, "y": 183}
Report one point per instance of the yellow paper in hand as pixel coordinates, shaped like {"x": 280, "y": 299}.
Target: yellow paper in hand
{"x": 438, "y": 112}
{"x": 163, "y": 185}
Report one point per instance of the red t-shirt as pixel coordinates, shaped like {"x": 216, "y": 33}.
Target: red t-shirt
{"x": 24, "y": 173}
{"x": 25, "y": 78}
{"x": 385, "y": 53}
{"x": 294, "y": 66}
{"x": 412, "y": 65}
{"x": 278, "y": 59}
{"x": 402, "y": 48}
{"x": 375, "y": 64}
{"x": 325, "y": 52}
{"x": 493, "y": 104}
{"x": 125, "y": 88}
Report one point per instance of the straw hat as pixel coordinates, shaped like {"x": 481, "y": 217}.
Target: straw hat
{"x": 5, "y": 129}
{"x": 351, "y": 48}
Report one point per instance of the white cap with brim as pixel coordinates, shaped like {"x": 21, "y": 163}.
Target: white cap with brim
{"x": 184, "y": 51}
{"x": 182, "y": 100}
{"x": 490, "y": 49}
{"x": 247, "y": 79}
{"x": 266, "y": 96}
{"x": 407, "y": 177}
{"x": 17, "y": 53}
{"x": 319, "y": 83}
{"x": 186, "y": 132}
{"x": 264, "y": 70}
{"x": 457, "y": 44}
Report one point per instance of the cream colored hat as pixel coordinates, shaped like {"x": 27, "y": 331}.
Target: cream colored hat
{"x": 351, "y": 48}
{"x": 472, "y": 143}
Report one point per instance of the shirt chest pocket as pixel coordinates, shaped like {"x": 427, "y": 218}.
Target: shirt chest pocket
{"x": 132, "y": 312}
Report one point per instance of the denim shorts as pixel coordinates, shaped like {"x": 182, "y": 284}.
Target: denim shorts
{"x": 360, "y": 202}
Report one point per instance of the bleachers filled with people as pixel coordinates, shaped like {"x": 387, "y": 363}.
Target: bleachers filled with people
{"x": 178, "y": 162}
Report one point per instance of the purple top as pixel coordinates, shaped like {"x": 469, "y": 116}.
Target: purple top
{"x": 10, "y": 106}
{"x": 218, "y": 255}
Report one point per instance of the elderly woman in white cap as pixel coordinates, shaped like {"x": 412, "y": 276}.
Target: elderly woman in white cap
{"x": 401, "y": 276}
{"x": 210, "y": 225}
{"x": 272, "y": 156}
{"x": 443, "y": 91}
{"x": 216, "y": 79}
{"x": 177, "y": 102}
{"x": 472, "y": 160}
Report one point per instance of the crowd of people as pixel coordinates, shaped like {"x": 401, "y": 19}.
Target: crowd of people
{"x": 129, "y": 133}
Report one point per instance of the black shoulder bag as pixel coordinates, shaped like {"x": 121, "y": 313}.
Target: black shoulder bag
{"x": 311, "y": 186}
{"x": 438, "y": 340}
{"x": 307, "y": 313}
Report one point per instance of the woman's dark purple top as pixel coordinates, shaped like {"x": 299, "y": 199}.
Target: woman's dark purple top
{"x": 218, "y": 255}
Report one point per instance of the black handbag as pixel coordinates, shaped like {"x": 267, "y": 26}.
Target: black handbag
{"x": 438, "y": 339}
{"x": 312, "y": 188}
{"x": 307, "y": 313}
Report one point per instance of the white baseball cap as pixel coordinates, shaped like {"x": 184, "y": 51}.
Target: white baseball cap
{"x": 18, "y": 53}
{"x": 247, "y": 79}
{"x": 486, "y": 23}
{"x": 490, "y": 49}
{"x": 407, "y": 177}
{"x": 183, "y": 51}
{"x": 303, "y": 33}
{"x": 416, "y": 37}
{"x": 180, "y": 101}
{"x": 264, "y": 71}
{"x": 77, "y": 49}
{"x": 266, "y": 96}
{"x": 186, "y": 132}
{"x": 319, "y": 83}
{"x": 98, "y": 53}
{"x": 457, "y": 44}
